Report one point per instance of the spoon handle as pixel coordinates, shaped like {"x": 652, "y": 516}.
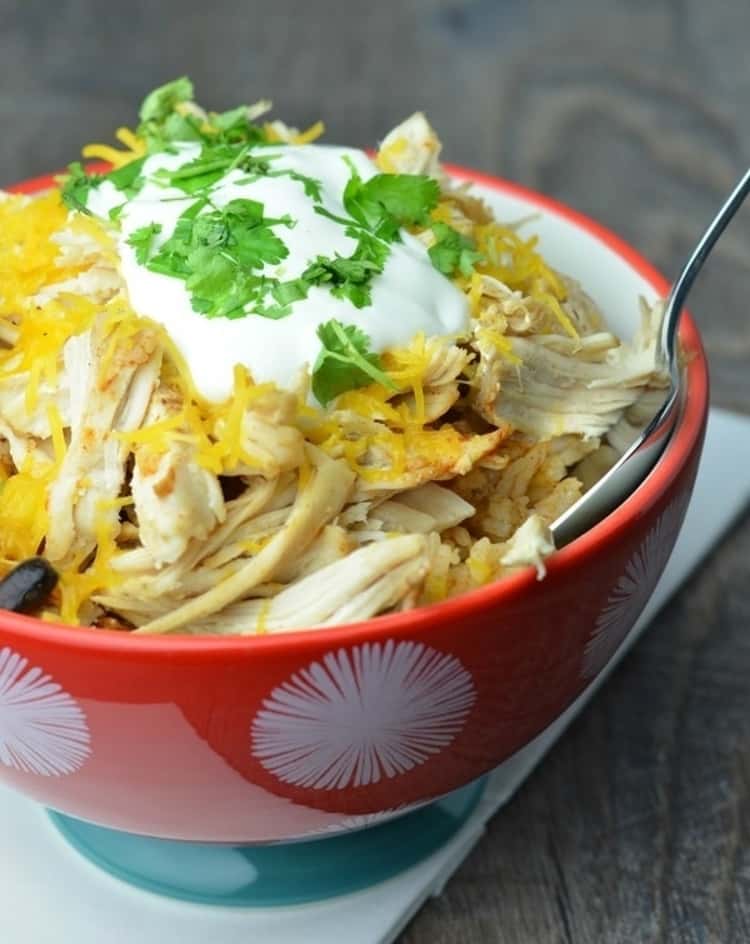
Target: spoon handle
{"x": 693, "y": 266}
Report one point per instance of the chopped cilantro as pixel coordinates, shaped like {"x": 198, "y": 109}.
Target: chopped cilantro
{"x": 159, "y": 104}
{"x": 77, "y": 187}
{"x": 345, "y": 362}
{"x": 350, "y": 277}
{"x": 217, "y": 160}
{"x": 168, "y": 115}
{"x": 195, "y": 175}
{"x": 205, "y": 170}
{"x": 387, "y": 202}
{"x": 142, "y": 239}
{"x": 219, "y": 254}
{"x": 252, "y": 240}
{"x": 172, "y": 257}
{"x": 332, "y": 216}
{"x": 232, "y": 124}
{"x": 218, "y": 287}
{"x": 284, "y": 294}
{"x": 292, "y": 291}
{"x": 222, "y": 253}
{"x": 128, "y": 178}
{"x": 311, "y": 186}
{"x": 452, "y": 252}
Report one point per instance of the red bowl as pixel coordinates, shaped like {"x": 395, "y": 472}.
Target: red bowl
{"x": 277, "y": 737}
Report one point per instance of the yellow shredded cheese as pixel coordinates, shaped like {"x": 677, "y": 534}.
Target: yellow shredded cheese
{"x": 133, "y": 148}
{"x": 23, "y": 512}
{"x": 28, "y": 254}
{"x": 76, "y": 587}
{"x": 275, "y": 132}
{"x": 310, "y": 135}
{"x": 261, "y": 626}
{"x": 500, "y": 343}
{"x": 517, "y": 263}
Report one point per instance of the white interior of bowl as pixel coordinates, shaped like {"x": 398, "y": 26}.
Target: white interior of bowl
{"x": 608, "y": 278}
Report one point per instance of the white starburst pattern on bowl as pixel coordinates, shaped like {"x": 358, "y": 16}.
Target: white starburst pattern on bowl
{"x": 43, "y": 730}
{"x": 362, "y": 715}
{"x": 632, "y": 591}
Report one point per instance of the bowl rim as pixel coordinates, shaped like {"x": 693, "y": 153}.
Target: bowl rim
{"x": 422, "y": 620}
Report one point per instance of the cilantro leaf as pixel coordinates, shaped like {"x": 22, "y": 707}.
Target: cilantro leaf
{"x": 218, "y": 159}
{"x": 233, "y": 120}
{"x": 234, "y": 126}
{"x": 210, "y": 231}
{"x": 408, "y": 198}
{"x": 142, "y": 239}
{"x": 347, "y": 278}
{"x": 171, "y": 259}
{"x": 167, "y": 116}
{"x": 350, "y": 277}
{"x": 176, "y": 127}
{"x": 387, "y": 202}
{"x": 159, "y": 104}
{"x": 284, "y": 295}
{"x": 452, "y": 252}
{"x": 345, "y": 362}
{"x": 77, "y": 187}
{"x": 312, "y": 187}
{"x": 292, "y": 291}
{"x": 128, "y": 178}
{"x": 251, "y": 240}
{"x": 202, "y": 172}
{"x": 196, "y": 175}
{"x": 219, "y": 289}
{"x": 219, "y": 254}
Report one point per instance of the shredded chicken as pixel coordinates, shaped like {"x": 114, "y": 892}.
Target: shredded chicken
{"x": 529, "y": 545}
{"x": 412, "y": 148}
{"x": 548, "y": 390}
{"x": 356, "y": 587}
{"x": 111, "y": 381}
{"x": 175, "y": 500}
{"x": 315, "y": 506}
{"x": 167, "y": 514}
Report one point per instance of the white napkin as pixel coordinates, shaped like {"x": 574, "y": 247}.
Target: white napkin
{"x": 45, "y": 885}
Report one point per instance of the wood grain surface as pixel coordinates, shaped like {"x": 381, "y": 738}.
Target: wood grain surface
{"x": 637, "y": 827}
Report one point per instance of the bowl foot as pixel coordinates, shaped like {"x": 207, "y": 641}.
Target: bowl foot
{"x": 270, "y": 875}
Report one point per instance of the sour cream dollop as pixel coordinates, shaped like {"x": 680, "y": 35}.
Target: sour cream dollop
{"x": 408, "y": 297}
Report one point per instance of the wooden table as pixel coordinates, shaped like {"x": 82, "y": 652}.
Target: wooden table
{"x": 637, "y": 827}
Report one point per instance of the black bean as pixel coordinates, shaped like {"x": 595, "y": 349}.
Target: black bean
{"x": 27, "y": 586}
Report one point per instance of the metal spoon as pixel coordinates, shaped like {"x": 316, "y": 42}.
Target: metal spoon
{"x": 641, "y": 455}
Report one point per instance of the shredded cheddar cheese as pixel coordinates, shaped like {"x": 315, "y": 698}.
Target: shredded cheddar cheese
{"x": 133, "y": 148}
{"x": 23, "y": 511}
{"x": 517, "y": 263}
{"x": 275, "y": 132}
{"x": 28, "y": 254}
